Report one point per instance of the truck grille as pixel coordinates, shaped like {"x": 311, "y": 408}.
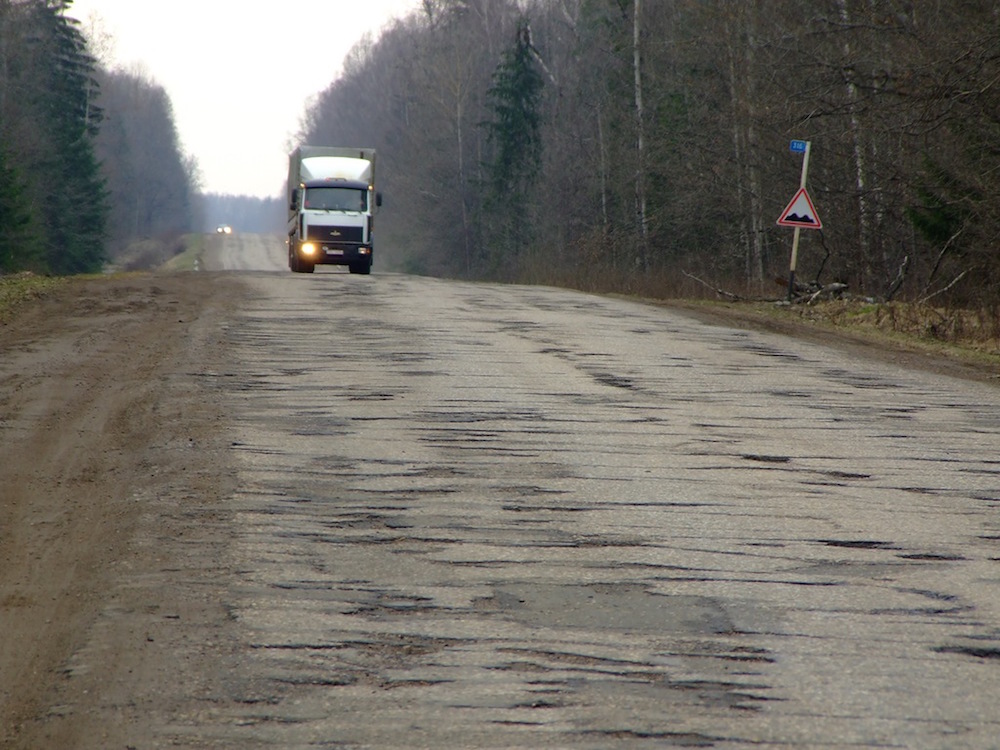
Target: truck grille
{"x": 353, "y": 235}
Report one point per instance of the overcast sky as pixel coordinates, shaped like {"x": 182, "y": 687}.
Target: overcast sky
{"x": 239, "y": 74}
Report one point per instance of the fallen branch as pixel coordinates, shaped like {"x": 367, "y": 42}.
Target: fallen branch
{"x": 942, "y": 291}
{"x": 720, "y": 292}
{"x": 940, "y": 258}
{"x": 831, "y": 289}
{"x": 898, "y": 281}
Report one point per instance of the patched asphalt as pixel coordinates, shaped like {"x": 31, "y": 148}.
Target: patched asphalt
{"x": 476, "y": 516}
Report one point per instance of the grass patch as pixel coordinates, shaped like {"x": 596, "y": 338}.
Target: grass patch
{"x": 966, "y": 336}
{"x": 189, "y": 259}
{"x": 932, "y": 327}
{"x": 21, "y": 288}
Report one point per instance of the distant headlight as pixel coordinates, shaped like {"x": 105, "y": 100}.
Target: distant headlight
{"x": 308, "y": 248}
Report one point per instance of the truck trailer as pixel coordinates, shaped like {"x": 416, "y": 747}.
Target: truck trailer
{"x": 331, "y": 208}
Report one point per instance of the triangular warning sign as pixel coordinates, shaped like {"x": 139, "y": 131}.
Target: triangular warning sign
{"x": 800, "y": 212}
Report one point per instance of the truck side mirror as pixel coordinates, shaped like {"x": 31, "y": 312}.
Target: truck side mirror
{"x": 378, "y": 199}
{"x": 293, "y": 202}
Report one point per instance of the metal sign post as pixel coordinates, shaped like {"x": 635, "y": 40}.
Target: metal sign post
{"x": 795, "y": 220}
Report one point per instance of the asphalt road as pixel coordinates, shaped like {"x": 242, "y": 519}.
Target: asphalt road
{"x": 475, "y": 516}
{"x": 245, "y": 252}
{"x": 246, "y": 508}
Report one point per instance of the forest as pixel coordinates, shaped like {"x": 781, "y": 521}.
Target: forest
{"x": 643, "y": 145}
{"x": 90, "y": 159}
{"x": 628, "y": 145}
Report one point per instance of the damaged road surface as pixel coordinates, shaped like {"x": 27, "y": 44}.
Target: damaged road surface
{"x": 398, "y": 512}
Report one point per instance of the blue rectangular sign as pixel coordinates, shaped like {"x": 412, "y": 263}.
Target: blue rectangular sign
{"x": 797, "y": 147}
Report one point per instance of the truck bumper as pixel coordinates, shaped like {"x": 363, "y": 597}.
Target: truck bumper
{"x": 357, "y": 257}
{"x": 342, "y": 256}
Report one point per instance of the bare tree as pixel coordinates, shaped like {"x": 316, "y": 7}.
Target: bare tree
{"x": 640, "y": 136}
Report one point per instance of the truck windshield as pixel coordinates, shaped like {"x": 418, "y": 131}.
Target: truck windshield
{"x": 336, "y": 199}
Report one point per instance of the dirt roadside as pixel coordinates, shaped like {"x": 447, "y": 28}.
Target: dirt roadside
{"x": 113, "y": 466}
{"x": 114, "y": 471}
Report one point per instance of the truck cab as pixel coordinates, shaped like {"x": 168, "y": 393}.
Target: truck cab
{"x": 332, "y": 201}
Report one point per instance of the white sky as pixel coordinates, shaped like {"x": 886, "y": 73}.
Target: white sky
{"x": 239, "y": 73}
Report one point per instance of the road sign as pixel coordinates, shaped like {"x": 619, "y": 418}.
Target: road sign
{"x": 800, "y": 212}
{"x": 797, "y": 147}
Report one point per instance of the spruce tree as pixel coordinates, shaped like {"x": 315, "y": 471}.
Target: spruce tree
{"x": 515, "y": 135}
{"x": 72, "y": 193}
{"x": 20, "y": 248}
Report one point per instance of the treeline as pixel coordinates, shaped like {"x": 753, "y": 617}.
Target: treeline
{"x": 90, "y": 159}
{"x": 644, "y": 144}
{"x": 152, "y": 184}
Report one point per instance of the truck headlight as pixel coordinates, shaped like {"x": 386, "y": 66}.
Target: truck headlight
{"x": 308, "y": 248}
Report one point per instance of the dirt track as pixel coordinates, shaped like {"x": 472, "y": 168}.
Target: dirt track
{"x": 92, "y": 406}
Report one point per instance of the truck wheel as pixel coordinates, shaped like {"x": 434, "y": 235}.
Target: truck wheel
{"x": 298, "y": 265}
{"x": 362, "y": 267}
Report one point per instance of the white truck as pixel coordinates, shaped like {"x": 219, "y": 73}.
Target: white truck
{"x": 331, "y": 207}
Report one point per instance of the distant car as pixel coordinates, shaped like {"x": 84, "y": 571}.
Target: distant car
{"x": 224, "y": 229}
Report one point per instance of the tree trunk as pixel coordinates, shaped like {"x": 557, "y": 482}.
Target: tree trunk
{"x": 602, "y": 150}
{"x": 640, "y": 172}
{"x": 744, "y": 133}
{"x": 857, "y": 150}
